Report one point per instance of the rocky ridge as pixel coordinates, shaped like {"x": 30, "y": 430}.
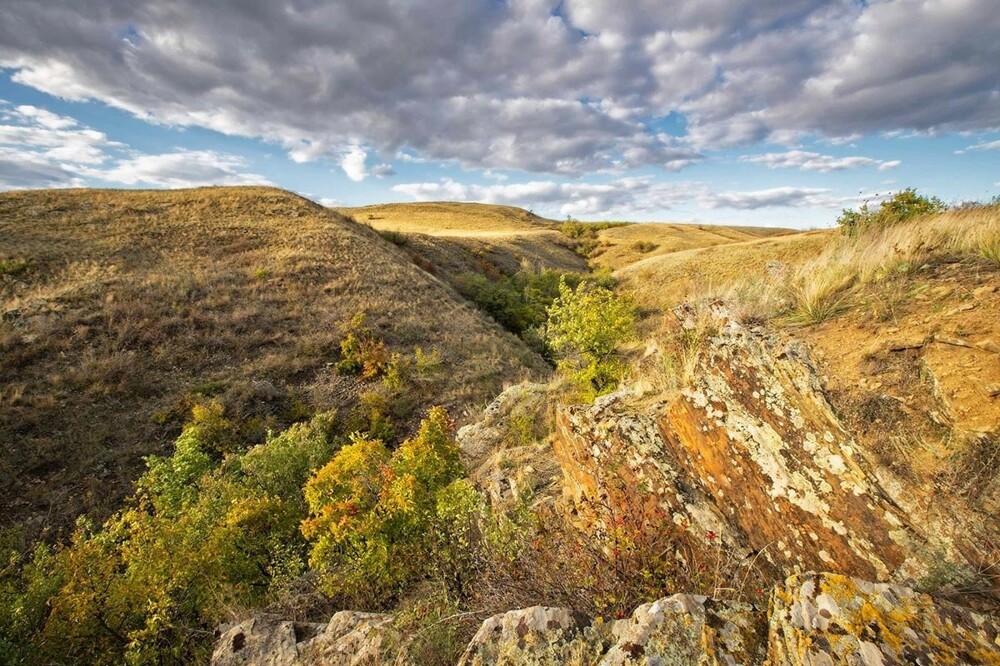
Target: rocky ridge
{"x": 816, "y": 618}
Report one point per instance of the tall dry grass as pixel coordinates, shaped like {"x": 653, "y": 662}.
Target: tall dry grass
{"x": 827, "y": 283}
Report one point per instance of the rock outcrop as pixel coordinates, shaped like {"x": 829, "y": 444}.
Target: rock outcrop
{"x": 349, "y": 639}
{"x": 832, "y": 619}
{"x": 537, "y": 635}
{"x": 750, "y": 453}
{"x": 689, "y": 629}
{"x": 815, "y": 619}
{"x": 506, "y": 451}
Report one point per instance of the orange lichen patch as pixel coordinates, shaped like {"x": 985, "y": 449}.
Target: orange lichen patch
{"x": 758, "y": 434}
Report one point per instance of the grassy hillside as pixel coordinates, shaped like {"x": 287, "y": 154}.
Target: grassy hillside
{"x": 618, "y": 247}
{"x": 448, "y": 218}
{"x": 121, "y": 309}
{"x": 663, "y": 280}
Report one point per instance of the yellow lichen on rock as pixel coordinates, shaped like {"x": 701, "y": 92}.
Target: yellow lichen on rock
{"x": 834, "y": 619}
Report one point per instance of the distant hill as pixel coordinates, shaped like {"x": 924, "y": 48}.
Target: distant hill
{"x": 119, "y": 306}
{"x": 449, "y": 218}
{"x": 621, "y": 246}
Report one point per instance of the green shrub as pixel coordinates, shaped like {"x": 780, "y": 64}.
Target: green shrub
{"x": 380, "y": 521}
{"x": 198, "y": 539}
{"x": 585, "y": 327}
{"x": 397, "y": 238}
{"x": 14, "y": 267}
{"x": 904, "y": 205}
{"x": 586, "y": 233}
{"x": 520, "y": 302}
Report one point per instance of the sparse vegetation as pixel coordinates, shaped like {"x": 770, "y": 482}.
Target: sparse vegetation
{"x": 990, "y": 249}
{"x": 826, "y": 279}
{"x": 362, "y": 351}
{"x": 134, "y": 298}
{"x": 818, "y": 297}
{"x": 397, "y": 238}
{"x": 586, "y": 233}
{"x": 14, "y": 267}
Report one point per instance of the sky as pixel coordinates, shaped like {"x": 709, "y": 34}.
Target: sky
{"x": 765, "y": 112}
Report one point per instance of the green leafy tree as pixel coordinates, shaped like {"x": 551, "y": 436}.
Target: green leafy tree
{"x": 586, "y": 327}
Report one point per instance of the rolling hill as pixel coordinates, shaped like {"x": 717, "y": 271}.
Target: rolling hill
{"x": 121, "y": 308}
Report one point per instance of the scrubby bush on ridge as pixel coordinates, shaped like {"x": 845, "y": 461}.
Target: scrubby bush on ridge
{"x": 903, "y": 205}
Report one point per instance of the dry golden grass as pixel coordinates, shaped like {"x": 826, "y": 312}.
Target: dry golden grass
{"x": 449, "y": 218}
{"x": 664, "y": 281}
{"x": 813, "y": 276}
{"x": 823, "y": 286}
{"x": 619, "y": 247}
{"x": 124, "y": 302}
{"x": 449, "y": 239}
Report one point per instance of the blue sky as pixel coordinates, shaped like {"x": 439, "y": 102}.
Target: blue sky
{"x": 769, "y": 112}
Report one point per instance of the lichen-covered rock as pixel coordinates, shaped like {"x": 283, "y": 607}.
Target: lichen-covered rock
{"x": 536, "y": 636}
{"x": 491, "y": 432}
{"x": 752, "y": 454}
{"x": 352, "y": 639}
{"x": 506, "y": 452}
{"x": 687, "y": 629}
{"x": 349, "y": 639}
{"x": 828, "y": 619}
{"x": 262, "y": 641}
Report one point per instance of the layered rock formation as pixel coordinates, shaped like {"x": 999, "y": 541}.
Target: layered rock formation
{"x": 751, "y": 453}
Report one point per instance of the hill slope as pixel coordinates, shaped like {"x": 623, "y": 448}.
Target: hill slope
{"x": 621, "y": 246}
{"x": 118, "y": 307}
{"x": 449, "y": 218}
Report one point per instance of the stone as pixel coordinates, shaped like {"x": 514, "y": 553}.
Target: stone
{"x": 690, "y": 629}
{"x": 536, "y": 636}
{"x": 822, "y": 618}
{"x": 498, "y": 450}
{"x": 751, "y": 454}
{"x": 262, "y": 641}
{"x": 349, "y": 639}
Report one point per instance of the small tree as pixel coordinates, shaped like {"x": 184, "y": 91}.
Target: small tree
{"x": 903, "y": 205}
{"x": 585, "y": 328}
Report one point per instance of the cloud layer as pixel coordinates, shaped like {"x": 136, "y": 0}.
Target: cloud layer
{"x": 547, "y": 86}
{"x": 622, "y": 198}
{"x": 808, "y": 161}
{"x": 39, "y": 148}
